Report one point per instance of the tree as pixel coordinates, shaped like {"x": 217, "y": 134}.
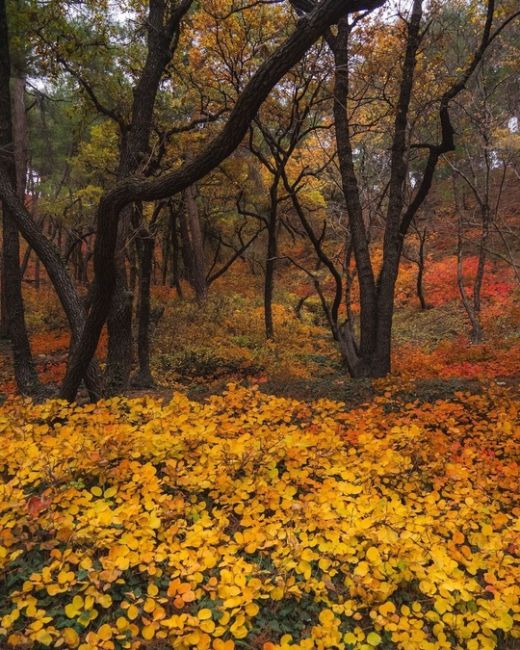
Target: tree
{"x": 371, "y": 355}
{"x": 481, "y": 166}
{"x": 13, "y": 158}
{"x": 134, "y": 188}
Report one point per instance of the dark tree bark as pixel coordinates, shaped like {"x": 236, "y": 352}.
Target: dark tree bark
{"x": 146, "y": 245}
{"x": 194, "y": 246}
{"x": 421, "y": 261}
{"x": 175, "y": 278}
{"x": 359, "y": 362}
{"x": 270, "y": 262}
{"x": 166, "y": 252}
{"x": 482, "y": 257}
{"x": 4, "y": 327}
{"x": 13, "y": 156}
{"x": 163, "y": 24}
{"x": 45, "y": 250}
{"x": 380, "y": 363}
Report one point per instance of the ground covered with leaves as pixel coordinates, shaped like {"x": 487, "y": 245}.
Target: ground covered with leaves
{"x": 253, "y": 521}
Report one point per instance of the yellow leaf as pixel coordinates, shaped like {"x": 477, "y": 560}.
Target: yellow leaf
{"x": 152, "y": 590}
{"x": 361, "y": 569}
{"x": 44, "y": 637}
{"x": 327, "y": 617}
{"x": 373, "y": 639}
{"x": 441, "y": 605}
{"x": 121, "y": 623}
{"x": 277, "y": 593}
{"x": 105, "y": 632}
{"x": 308, "y": 555}
{"x": 252, "y": 609}
{"x": 239, "y": 631}
{"x": 149, "y": 605}
{"x": 373, "y": 555}
{"x": 70, "y": 637}
{"x": 207, "y": 626}
{"x": 74, "y": 608}
{"x": 387, "y": 608}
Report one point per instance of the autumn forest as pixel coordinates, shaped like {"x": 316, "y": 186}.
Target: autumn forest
{"x": 260, "y": 324}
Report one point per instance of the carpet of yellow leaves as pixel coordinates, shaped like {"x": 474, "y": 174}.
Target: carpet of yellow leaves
{"x": 259, "y": 522}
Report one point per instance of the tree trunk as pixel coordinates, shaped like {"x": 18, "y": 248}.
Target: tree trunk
{"x": 359, "y": 364}
{"x": 373, "y": 358}
{"x": 175, "y": 278}
{"x": 119, "y": 328}
{"x": 166, "y": 252}
{"x": 482, "y": 258}
{"x": 270, "y": 262}
{"x": 13, "y": 153}
{"x": 196, "y": 247}
{"x": 4, "y": 327}
{"x": 146, "y": 248}
{"x": 420, "y": 272}
{"x": 476, "y": 328}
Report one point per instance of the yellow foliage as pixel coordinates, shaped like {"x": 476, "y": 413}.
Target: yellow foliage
{"x": 259, "y": 520}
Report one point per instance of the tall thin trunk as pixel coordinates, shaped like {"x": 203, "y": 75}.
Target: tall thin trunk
{"x": 420, "y": 278}
{"x": 119, "y": 328}
{"x": 270, "y": 262}
{"x": 146, "y": 249}
{"x": 13, "y": 154}
{"x": 469, "y": 307}
{"x": 175, "y": 279}
{"x": 393, "y": 239}
{"x": 197, "y": 267}
{"x": 358, "y": 365}
{"x": 4, "y": 326}
{"x": 166, "y": 252}
{"x": 482, "y": 257}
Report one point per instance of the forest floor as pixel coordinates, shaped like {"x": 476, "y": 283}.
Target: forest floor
{"x": 258, "y": 498}
{"x": 200, "y": 350}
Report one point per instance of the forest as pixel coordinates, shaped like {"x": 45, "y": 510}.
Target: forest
{"x": 260, "y": 324}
